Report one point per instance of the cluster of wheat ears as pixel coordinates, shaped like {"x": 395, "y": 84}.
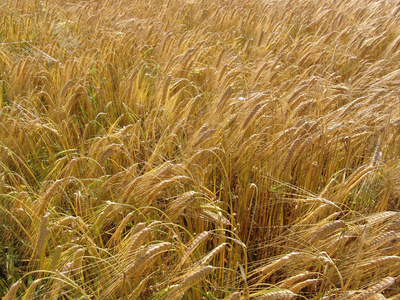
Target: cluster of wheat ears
{"x": 199, "y": 149}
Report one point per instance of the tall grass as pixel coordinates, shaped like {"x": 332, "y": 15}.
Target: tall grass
{"x": 199, "y": 149}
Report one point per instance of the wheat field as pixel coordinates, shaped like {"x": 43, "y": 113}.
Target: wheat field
{"x": 176, "y": 149}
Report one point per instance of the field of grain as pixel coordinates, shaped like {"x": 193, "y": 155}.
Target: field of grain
{"x": 200, "y": 149}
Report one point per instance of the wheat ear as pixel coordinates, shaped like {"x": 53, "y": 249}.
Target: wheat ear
{"x": 358, "y": 175}
{"x": 56, "y": 257}
{"x": 138, "y": 240}
{"x": 43, "y": 233}
{"x": 205, "y": 260}
{"x": 136, "y": 269}
{"x": 376, "y": 288}
{"x": 382, "y": 217}
{"x": 190, "y": 280}
{"x": 77, "y": 260}
{"x": 12, "y": 293}
{"x": 290, "y": 152}
{"x": 268, "y": 269}
{"x": 316, "y": 214}
{"x": 148, "y": 255}
{"x": 200, "y": 238}
{"x": 48, "y": 194}
{"x": 390, "y": 250}
{"x": 278, "y": 295}
{"x": 117, "y": 234}
{"x": 381, "y": 239}
{"x": 178, "y": 205}
{"x": 294, "y": 279}
{"x": 30, "y": 292}
{"x": 235, "y": 296}
{"x": 393, "y": 225}
{"x": 252, "y": 115}
{"x": 378, "y": 263}
{"x": 326, "y": 229}
{"x": 301, "y": 285}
